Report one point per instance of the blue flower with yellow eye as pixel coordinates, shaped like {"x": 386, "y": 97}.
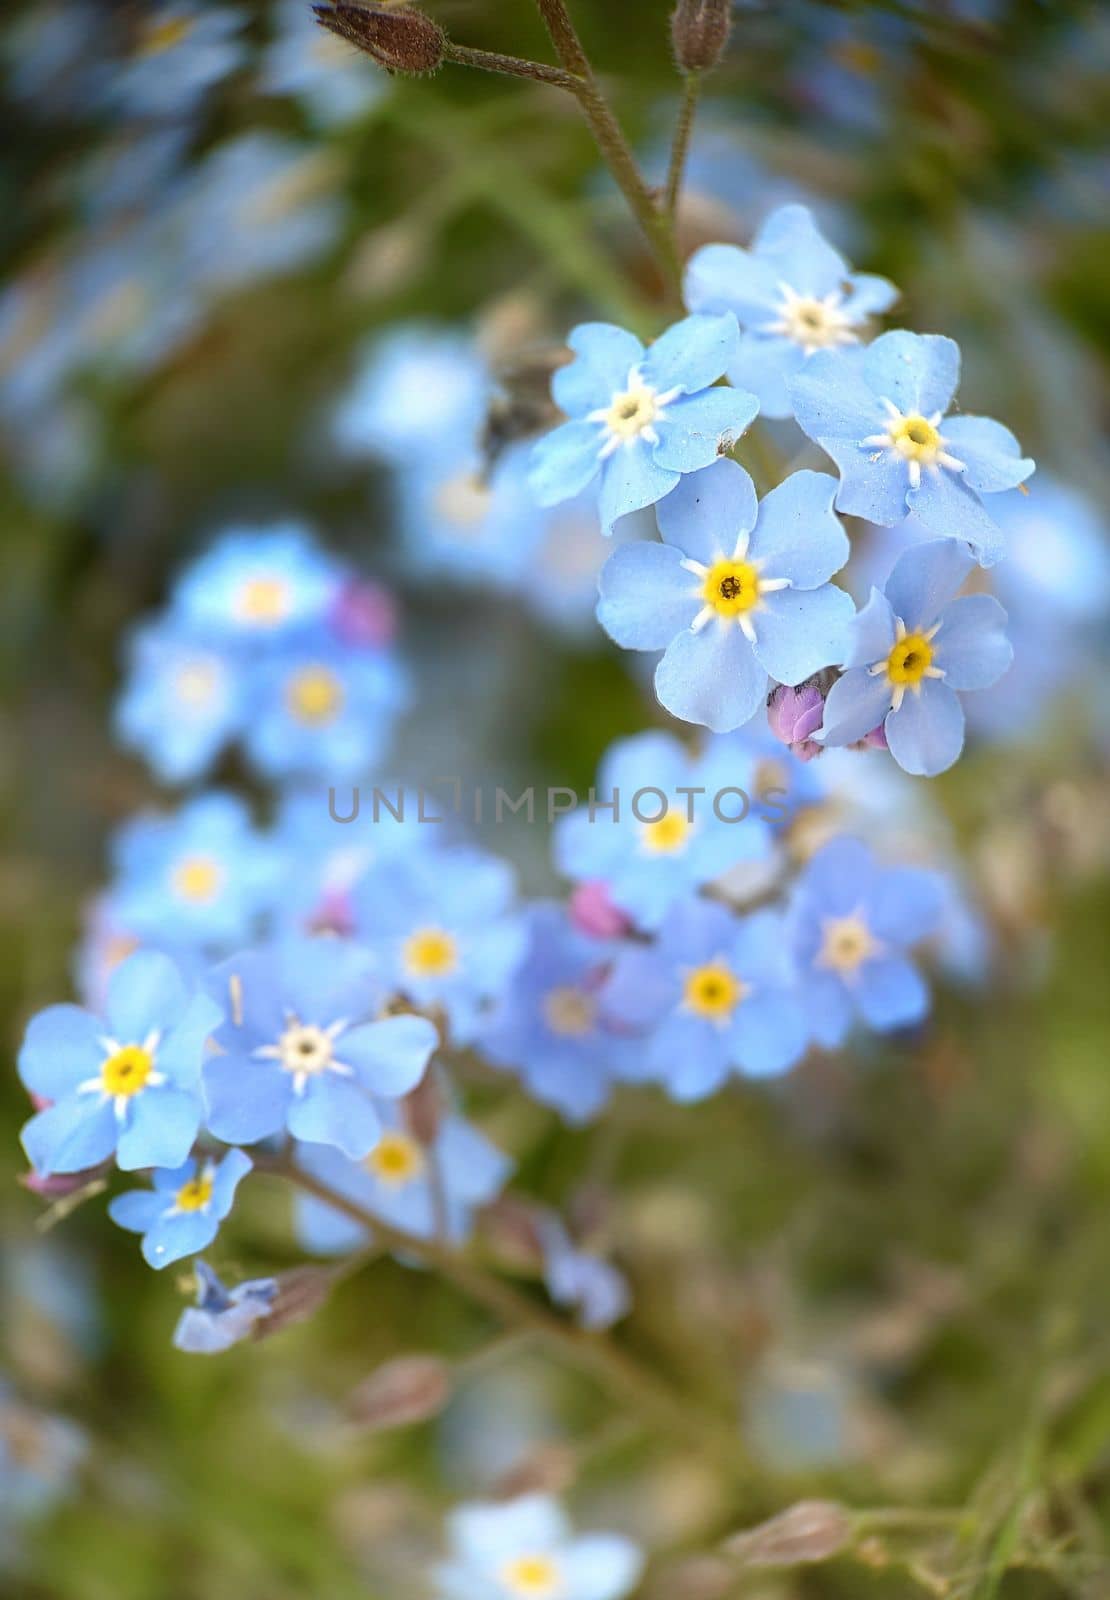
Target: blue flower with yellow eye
{"x": 676, "y": 826}
{"x": 525, "y": 1549}
{"x": 182, "y": 703}
{"x": 427, "y": 1190}
{"x": 127, "y": 1082}
{"x": 303, "y": 1046}
{"x": 737, "y": 597}
{"x": 712, "y": 996}
{"x": 913, "y": 647}
{"x": 257, "y": 585}
{"x": 222, "y": 1317}
{"x": 851, "y": 924}
{"x": 181, "y": 51}
{"x": 201, "y": 878}
{"x": 182, "y": 1213}
{"x": 640, "y": 418}
{"x": 882, "y": 416}
{"x": 792, "y": 295}
{"x": 320, "y": 707}
{"x": 324, "y": 73}
{"x": 445, "y": 930}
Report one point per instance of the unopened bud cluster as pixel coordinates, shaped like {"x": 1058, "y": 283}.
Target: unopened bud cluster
{"x": 398, "y": 38}
{"x": 699, "y": 32}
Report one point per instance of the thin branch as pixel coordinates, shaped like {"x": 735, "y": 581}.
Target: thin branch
{"x": 564, "y": 36}
{"x": 512, "y": 66}
{"x": 681, "y": 144}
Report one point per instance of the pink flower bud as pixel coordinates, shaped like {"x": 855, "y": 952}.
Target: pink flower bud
{"x": 364, "y": 614}
{"x": 793, "y": 715}
{"x": 593, "y": 912}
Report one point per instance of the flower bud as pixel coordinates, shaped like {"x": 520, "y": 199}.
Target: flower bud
{"x": 699, "y": 33}
{"x": 593, "y": 912}
{"x": 398, "y": 38}
{"x": 793, "y": 715}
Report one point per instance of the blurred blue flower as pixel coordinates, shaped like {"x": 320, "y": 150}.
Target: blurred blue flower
{"x": 691, "y": 840}
{"x": 181, "y": 50}
{"x": 575, "y": 1278}
{"x": 445, "y": 930}
{"x": 880, "y": 414}
{"x": 47, "y": 52}
{"x": 713, "y": 995}
{"x": 792, "y": 295}
{"x": 222, "y": 1317}
{"x": 183, "y": 1211}
{"x": 549, "y": 1027}
{"x": 913, "y": 647}
{"x": 737, "y": 595}
{"x": 297, "y": 1052}
{"x": 640, "y": 419}
{"x": 258, "y": 585}
{"x": 851, "y": 922}
{"x": 128, "y": 1083}
{"x": 182, "y": 701}
{"x": 525, "y": 1549}
{"x": 333, "y": 80}
{"x": 201, "y": 877}
{"x": 420, "y": 392}
{"x": 40, "y": 1456}
{"x": 408, "y": 1185}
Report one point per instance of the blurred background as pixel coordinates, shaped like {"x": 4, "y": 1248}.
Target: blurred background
{"x": 897, "y": 1262}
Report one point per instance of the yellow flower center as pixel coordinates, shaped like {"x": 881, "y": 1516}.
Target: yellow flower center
{"x": 915, "y": 438}
{"x": 263, "y": 601}
{"x": 314, "y": 695}
{"x": 463, "y": 502}
{"x": 195, "y": 1195}
{"x": 159, "y": 37}
{"x": 532, "y": 1577}
{"x": 910, "y": 660}
{"x": 430, "y": 953}
{"x": 197, "y": 878}
{"x": 395, "y": 1159}
{"x": 631, "y": 412}
{"x": 196, "y": 683}
{"x": 731, "y": 587}
{"x": 126, "y": 1070}
{"x": 569, "y": 1012}
{"x": 713, "y": 991}
{"x": 847, "y": 943}
{"x": 668, "y": 835}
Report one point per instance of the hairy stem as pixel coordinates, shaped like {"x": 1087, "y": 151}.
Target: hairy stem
{"x": 680, "y": 146}
{"x": 512, "y": 66}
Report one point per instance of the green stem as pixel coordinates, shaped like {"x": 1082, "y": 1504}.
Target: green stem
{"x": 681, "y": 145}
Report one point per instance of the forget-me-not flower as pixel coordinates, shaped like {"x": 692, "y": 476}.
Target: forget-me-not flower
{"x": 713, "y": 995}
{"x": 183, "y": 1211}
{"x": 882, "y": 416}
{"x": 851, "y": 923}
{"x": 297, "y": 1049}
{"x": 913, "y": 647}
{"x": 640, "y": 418}
{"x": 182, "y": 50}
{"x": 128, "y": 1082}
{"x": 738, "y": 594}
{"x": 525, "y": 1549}
{"x": 594, "y": 1288}
{"x": 257, "y": 585}
{"x": 222, "y": 1317}
{"x": 182, "y": 702}
{"x": 792, "y": 295}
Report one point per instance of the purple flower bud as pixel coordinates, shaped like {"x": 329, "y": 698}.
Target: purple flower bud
{"x": 876, "y": 739}
{"x": 364, "y": 614}
{"x": 593, "y": 912}
{"x": 59, "y": 1184}
{"x": 794, "y": 715}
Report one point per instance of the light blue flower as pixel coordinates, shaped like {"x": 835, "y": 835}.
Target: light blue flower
{"x": 258, "y": 585}
{"x": 792, "y": 295}
{"x": 522, "y": 1549}
{"x": 40, "y": 1457}
{"x": 713, "y": 995}
{"x": 333, "y": 80}
{"x": 640, "y": 419}
{"x": 690, "y": 839}
{"x": 422, "y": 1190}
{"x": 445, "y": 929}
{"x": 296, "y": 1050}
{"x": 913, "y": 647}
{"x": 128, "y": 1083}
{"x": 322, "y": 708}
{"x": 181, "y": 51}
{"x": 851, "y": 922}
{"x": 201, "y": 878}
{"x": 550, "y": 1027}
{"x": 737, "y": 596}
{"x": 421, "y": 391}
{"x": 580, "y": 1280}
{"x": 182, "y": 702}
{"x": 183, "y": 1211}
{"x": 881, "y": 415}
{"x": 222, "y": 1317}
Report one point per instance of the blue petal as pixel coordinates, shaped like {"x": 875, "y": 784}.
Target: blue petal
{"x": 799, "y": 631}
{"x": 856, "y": 704}
{"x": 798, "y": 535}
{"x": 604, "y": 357}
{"x": 247, "y": 1100}
{"x": 639, "y": 989}
{"x": 160, "y": 1129}
{"x": 690, "y": 1057}
{"x": 138, "y": 1210}
{"x": 229, "y": 1174}
{"x": 868, "y": 295}
{"x": 873, "y": 633}
{"x": 181, "y": 1053}
{"x": 926, "y": 733}
{"x": 924, "y": 579}
{"x": 61, "y": 1048}
{"x": 793, "y": 245}
{"x": 709, "y": 511}
{"x": 334, "y": 1110}
{"x": 172, "y": 1238}
{"x": 917, "y": 372}
{"x": 891, "y": 993}
{"x": 600, "y": 1566}
{"x": 694, "y": 432}
{"x": 711, "y": 677}
{"x": 631, "y": 480}
{"x": 905, "y": 905}
{"x": 765, "y": 365}
{"x": 971, "y": 647}
{"x": 146, "y": 994}
{"x": 947, "y": 507}
{"x": 832, "y": 401}
{"x": 722, "y": 277}
{"x": 828, "y": 1008}
{"x": 646, "y": 596}
{"x": 769, "y": 1034}
{"x": 564, "y": 461}
{"x": 692, "y": 354}
{"x": 991, "y": 455}
{"x": 389, "y": 1056}
{"x": 873, "y": 483}
{"x": 76, "y": 1133}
